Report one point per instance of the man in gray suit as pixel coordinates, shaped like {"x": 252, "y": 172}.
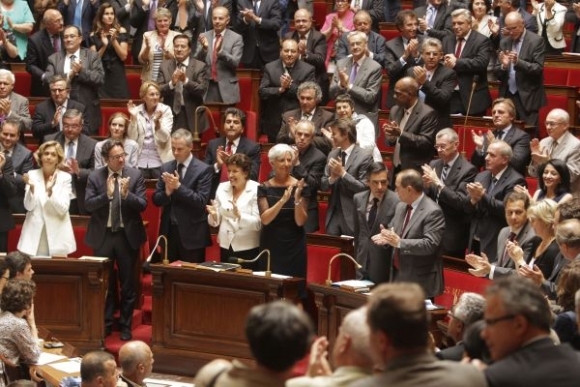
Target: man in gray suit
{"x": 22, "y": 161}
{"x": 374, "y": 208}
{"x": 222, "y": 58}
{"x": 399, "y": 326}
{"x": 360, "y": 77}
{"x": 376, "y": 43}
{"x": 415, "y": 233}
{"x": 345, "y": 175}
{"x": 11, "y": 104}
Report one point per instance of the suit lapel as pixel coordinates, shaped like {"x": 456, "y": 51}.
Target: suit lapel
{"x": 417, "y": 213}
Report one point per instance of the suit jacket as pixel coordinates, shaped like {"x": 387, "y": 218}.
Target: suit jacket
{"x": 22, "y": 162}
{"x": 376, "y": 45}
{"x": 438, "y": 91}
{"x": 396, "y": 70}
{"x": 187, "y": 203}
{"x": 554, "y": 27}
{"x": 442, "y": 19}
{"x": 341, "y": 377}
{"x": 548, "y": 286}
{"x": 86, "y": 159}
{"x": 454, "y": 353}
{"x": 123, "y": 16}
{"x": 193, "y": 91}
{"x": 245, "y": 146}
{"x": 344, "y": 188}
{"x": 529, "y": 71}
{"x": 311, "y": 169}
{"x": 228, "y": 59}
{"x": 376, "y": 264}
{"x": 488, "y": 216}
{"x": 320, "y": 119}
{"x": 539, "y": 363}
{"x": 420, "y": 253}
{"x": 44, "y": 113}
{"x": 525, "y": 241}
{"x": 19, "y": 110}
{"x": 7, "y": 191}
{"x": 450, "y": 198}
{"x": 89, "y": 12}
{"x": 83, "y": 87}
{"x": 260, "y": 39}
{"x": 274, "y": 103}
{"x": 48, "y": 213}
{"x": 366, "y": 88}
{"x": 138, "y": 128}
{"x": 38, "y": 50}
{"x": 97, "y": 203}
{"x": 529, "y": 21}
{"x": 417, "y": 141}
{"x": 472, "y": 63}
{"x": 520, "y": 143}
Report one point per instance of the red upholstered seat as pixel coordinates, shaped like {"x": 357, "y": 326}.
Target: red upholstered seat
{"x": 319, "y": 13}
{"x": 317, "y": 265}
{"x": 532, "y": 184}
{"x": 556, "y": 76}
{"x": 389, "y": 34}
{"x": 457, "y": 283}
{"x": 573, "y": 78}
{"x": 245, "y": 92}
{"x": 265, "y": 167}
{"x": 322, "y": 210}
{"x": 106, "y": 113}
{"x": 22, "y": 83}
{"x": 251, "y": 125}
{"x": 212, "y": 253}
{"x": 466, "y": 137}
{"x": 134, "y": 83}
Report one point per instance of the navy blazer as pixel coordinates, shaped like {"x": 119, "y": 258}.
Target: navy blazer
{"x": 260, "y": 39}
{"x": 38, "y": 50}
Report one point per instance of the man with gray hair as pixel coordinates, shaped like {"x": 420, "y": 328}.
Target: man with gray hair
{"x": 136, "y": 361}
{"x": 350, "y": 357}
{"x": 560, "y": 144}
{"x": 13, "y": 105}
{"x": 568, "y": 238}
{"x": 468, "y": 310}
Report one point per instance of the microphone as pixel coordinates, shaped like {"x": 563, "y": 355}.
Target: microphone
{"x": 474, "y": 83}
{"x": 356, "y": 264}
{"x": 165, "y": 260}
{"x": 268, "y": 273}
{"x": 196, "y": 121}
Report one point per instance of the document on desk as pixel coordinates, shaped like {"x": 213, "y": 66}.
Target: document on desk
{"x": 165, "y": 383}
{"x": 69, "y": 367}
{"x": 278, "y": 276}
{"x": 46, "y": 357}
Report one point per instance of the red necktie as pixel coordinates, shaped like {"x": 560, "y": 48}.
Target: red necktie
{"x": 396, "y": 261}
{"x": 214, "y": 54}
{"x": 224, "y": 172}
{"x": 459, "y": 47}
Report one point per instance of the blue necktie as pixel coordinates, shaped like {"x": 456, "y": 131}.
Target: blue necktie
{"x": 78, "y": 14}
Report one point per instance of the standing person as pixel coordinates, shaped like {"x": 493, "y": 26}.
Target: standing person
{"x": 283, "y": 204}
{"x": 7, "y": 191}
{"x": 183, "y": 191}
{"x": 81, "y": 18}
{"x": 235, "y": 211}
{"x": 109, "y": 40}
{"x": 550, "y": 16}
{"x": 17, "y": 18}
{"x": 115, "y": 198}
{"x": 157, "y": 45}
{"x": 47, "y": 229}
{"x": 336, "y": 24}
{"x": 118, "y": 124}
{"x": 22, "y": 160}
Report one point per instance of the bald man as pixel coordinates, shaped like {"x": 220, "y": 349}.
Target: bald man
{"x": 136, "y": 361}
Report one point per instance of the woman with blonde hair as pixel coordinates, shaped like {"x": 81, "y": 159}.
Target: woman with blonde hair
{"x": 47, "y": 229}
{"x": 157, "y": 45}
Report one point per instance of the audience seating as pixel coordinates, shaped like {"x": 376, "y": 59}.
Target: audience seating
{"x": 458, "y": 281}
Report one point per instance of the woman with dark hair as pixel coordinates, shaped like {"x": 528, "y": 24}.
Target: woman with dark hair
{"x": 336, "y": 24}
{"x": 482, "y": 21}
{"x": 18, "y": 333}
{"x": 118, "y": 124}
{"x": 109, "y": 40}
{"x": 565, "y": 324}
{"x": 235, "y": 211}
{"x": 554, "y": 182}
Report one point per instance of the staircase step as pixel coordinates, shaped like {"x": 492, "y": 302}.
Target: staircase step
{"x": 113, "y": 343}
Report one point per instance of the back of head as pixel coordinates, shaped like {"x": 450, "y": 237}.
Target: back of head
{"x": 135, "y": 359}
{"x": 16, "y": 262}
{"x": 93, "y": 365}
{"x": 354, "y": 326}
{"x": 475, "y": 346}
{"x": 469, "y": 308}
{"x": 279, "y": 334}
{"x": 17, "y": 295}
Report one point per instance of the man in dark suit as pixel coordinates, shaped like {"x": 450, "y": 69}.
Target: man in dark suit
{"x": 311, "y": 48}
{"x": 48, "y": 114}
{"x": 360, "y": 77}
{"x": 309, "y": 165}
{"x": 22, "y": 160}
{"x": 183, "y": 192}
{"x": 258, "y": 23}
{"x": 223, "y": 83}
{"x": 208, "y": 11}
{"x": 411, "y": 128}
{"x": 517, "y": 333}
{"x": 415, "y": 233}
{"x": 436, "y": 82}
{"x": 309, "y": 95}
{"x": 445, "y": 182}
{"x": 484, "y": 201}
{"x": 231, "y": 142}
{"x": 82, "y": 19}
{"x": 467, "y": 52}
{"x": 507, "y": 6}
{"x": 402, "y": 52}
{"x": 79, "y": 150}
{"x": 520, "y": 69}
{"x": 183, "y": 81}
{"x": 115, "y": 198}
{"x": 279, "y": 85}
{"x": 123, "y": 12}
{"x": 84, "y": 71}
{"x": 345, "y": 175}
{"x": 375, "y": 45}
{"x": 374, "y": 208}
{"x": 377, "y": 10}
{"x": 434, "y": 15}
{"x": 7, "y": 191}
{"x": 503, "y": 112}
{"x": 41, "y": 45}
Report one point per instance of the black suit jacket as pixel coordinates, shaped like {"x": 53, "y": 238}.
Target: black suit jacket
{"x": 44, "y": 113}
{"x": 394, "y": 49}
{"x": 260, "y": 39}
{"x": 488, "y": 215}
{"x": 89, "y": 12}
{"x": 39, "y": 49}
{"x": 472, "y": 63}
{"x": 7, "y": 190}
{"x": 450, "y": 198}
{"x": 22, "y": 162}
{"x": 188, "y": 203}
{"x": 320, "y": 119}
{"x": 520, "y": 143}
{"x": 376, "y": 45}
{"x": 311, "y": 169}
{"x": 123, "y": 16}
{"x": 97, "y": 203}
{"x": 442, "y": 19}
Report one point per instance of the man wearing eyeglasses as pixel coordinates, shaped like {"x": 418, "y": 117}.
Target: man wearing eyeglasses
{"x": 47, "y": 118}
{"x": 115, "y": 198}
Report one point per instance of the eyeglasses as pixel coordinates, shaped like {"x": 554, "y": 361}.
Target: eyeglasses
{"x": 72, "y": 36}
{"x": 553, "y": 123}
{"x": 58, "y": 90}
{"x": 118, "y": 157}
{"x": 492, "y": 321}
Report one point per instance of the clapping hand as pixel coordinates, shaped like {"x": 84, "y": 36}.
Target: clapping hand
{"x": 51, "y": 182}
{"x": 235, "y": 209}
{"x": 124, "y": 186}
{"x": 132, "y": 108}
{"x": 336, "y": 168}
{"x": 318, "y": 362}
{"x": 28, "y": 181}
{"x": 430, "y": 175}
{"x": 475, "y": 192}
{"x": 344, "y": 78}
{"x": 299, "y": 187}
{"x": 480, "y": 264}
{"x": 212, "y": 209}
{"x": 171, "y": 181}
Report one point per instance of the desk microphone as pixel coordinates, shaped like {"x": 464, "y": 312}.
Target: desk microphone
{"x": 268, "y": 273}
{"x": 473, "y": 85}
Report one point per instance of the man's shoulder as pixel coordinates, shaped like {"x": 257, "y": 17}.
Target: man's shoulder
{"x": 19, "y": 148}
{"x": 88, "y": 140}
{"x": 303, "y": 66}
{"x": 372, "y": 65}
{"x": 292, "y": 113}
{"x": 17, "y": 97}
{"x": 246, "y": 142}
{"x": 273, "y": 66}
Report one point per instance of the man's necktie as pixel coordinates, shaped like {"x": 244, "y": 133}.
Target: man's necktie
{"x": 492, "y": 185}
{"x": 116, "y": 206}
{"x": 512, "y": 85}
{"x": 505, "y": 258}
{"x": 430, "y": 16}
{"x": 459, "y": 47}
{"x": 343, "y": 158}
{"x": 77, "y": 18}
{"x": 214, "y": 57}
{"x": 180, "y": 171}
{"x": 178, "y": 97}
{"x": 402, "y": 124}
{"x": 357, "y": 4}
{"x": 444, "y": 173}
{"x": 151, "y": 21}
{"x": 353, "y": 72}
{"x": 70, "y": 151}
{"x": 499, "y": 134}
{"x": 396, "y": 260}
{"x": 373, "y": 212}
{"x": 224, "y": 172}
{"x": 553, "y": 147}
{"x": 256, "y": 7}
{"x": 56, "y": 42}
{"x": 306, "y": 116}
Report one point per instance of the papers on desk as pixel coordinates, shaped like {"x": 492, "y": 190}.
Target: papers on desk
{"x": 358, "y": 286}
{"x": 46, "y": 358}
{"x": 165, "y": 383}
{"x": 431, "y": 306}
{"x": 73, "y": 366}
{"x": 92, "y": 258}
{"x": 263, "y": 274}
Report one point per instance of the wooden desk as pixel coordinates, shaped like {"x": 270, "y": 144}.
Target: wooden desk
{"x": 70, "y": 300}
{"x": 200, "y": 315}
{"x": 53, "y": 376}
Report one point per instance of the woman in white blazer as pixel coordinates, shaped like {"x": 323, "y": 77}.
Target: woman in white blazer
{"x": 47, "y": 229}
{"x": 235, "y": 211}
{"x": 550, "y": 18}
{"x": 150, "y": 126}
{"x": 157, "y": 45}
